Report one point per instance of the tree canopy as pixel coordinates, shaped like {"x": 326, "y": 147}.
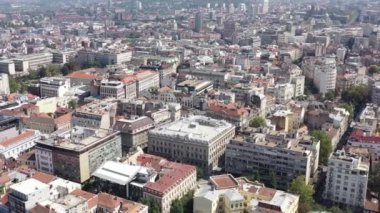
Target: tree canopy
{"x": 325, "y": 146}
{"x": 299, "y": 187}
{"x": 357, "y": 95}
{"x": 176, "y": 207}
{"x": 373, "y": 69}
{"x": 257, "y": 122}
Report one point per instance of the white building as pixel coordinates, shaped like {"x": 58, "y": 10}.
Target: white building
{"x": 325, "y": 74}
{"x": 224, "y": 193}
{"x": 4, "y": 84}
{"x": 23, "y": 196}
{"x": 347, "y": 178}
{"x": 112, "y": 89}
{"x": 146, "y": 80}
{"x": 8, "y": 67}
{"x": 12, "y": 147}
{"x": 198, "y": 140}
{"x": 54, "y": 86}
{"x": 34, "y": 61}
{"x": 299, "y": 85}
{"x": 284, "y": 92}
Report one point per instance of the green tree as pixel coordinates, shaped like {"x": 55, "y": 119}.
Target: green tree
{"x": 273, "y": 180}
{"x": 257, "y": 122}
{"x": 52, "y": 70}
{"x": 176, "y": 206}
{"x": 310, "y": 88}
{"x": 325, "y": 146}
{"x": 373, "y": 69}
{"x": 357, "y": 95}
{"x": 200, "y": 173}
{"x": 374, "y": 180}
{"x": 153, "y": 205}
{"x": 298, "y": 186}
{"x": 14, "y": 86}
{"x": 330, "y": 95}
{"x": 65, "y": 70}
{"x": 72, "y": 104}
{"x": 350, "y": 110}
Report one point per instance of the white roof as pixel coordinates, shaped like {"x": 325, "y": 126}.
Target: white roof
{"x": 233, "y": 195}
{"x": 29, "y": 186}
{"x": 201, "y": 128}
{"x": 119, "y": 173}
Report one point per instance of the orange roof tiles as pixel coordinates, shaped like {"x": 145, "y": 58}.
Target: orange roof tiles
{"x": 174, "y": 173}
{"x": 43, "y": 177}
{"x": 64, "y": 119}
{"x": 224, "y": 181}
{"x": 92, "y": 199}
{"x": 22, "y": 136}
{"x": 230, "y": 109}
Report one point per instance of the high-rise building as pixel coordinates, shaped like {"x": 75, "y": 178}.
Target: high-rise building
{"x": 198, "y": 22}
{"x": 325, "y": 73}
{"x": 265, "y": 7}
{"x": 346, "y": 180}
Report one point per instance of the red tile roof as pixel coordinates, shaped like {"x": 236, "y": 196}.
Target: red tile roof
{"x": 173, "y": 173}
{"x": 64, "y": 119}
{"x": 230, "y": 109}
{"x": 224, "y": 181}
{"x": 22, "y": 136}
{"x": 92, "y": 199}
{"x": 43, "y": 177}
{"x": 358, "y": 135}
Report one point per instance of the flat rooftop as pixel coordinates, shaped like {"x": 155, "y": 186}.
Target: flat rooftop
{"x": 119, "y": 173}
{"x": 29, "y": 186}
{"x": 64, "y": 141}
{"x": 224, "y": 181}
{"x": 199, "y": 128}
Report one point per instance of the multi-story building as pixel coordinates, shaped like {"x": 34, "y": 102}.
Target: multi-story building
{"x": 34, "y": 61}
{"x": 123, "y": 179}
{"x": 216, "y": 75}
{"x": 325, "y": 74}
{"x": 54, "y": 86}
{"x": 97, "y": 114}
{"x": 134, "y": 132}
{"x": 299, "y": 85}
{"x": 146, "y": 80}
{"x": 23, "y": 196}
{"x": 268, "y": 154}
{"x": 358, "y": 138}
{"x": 4, "y": 84}
{"x": 14, "y": 146}
{"x": 346, "y": 180}
{"x": 375, "y": 93}
{"x": 75, "y": 154}
{"x": 108, "y": 57}
{"x": 130, "y": 83}
{"x": 63, "y": 57}
{"x": 9, "y": 127}
{"x": 224, "y": 193}
{"x": 113, "y": 89}
{"x": 195, "y": 87}
{"x": 233, "y": 113}
{"x": 197, "y": 140}
{"x": 7, "y": 67}
{"x": 284, "y": 92}
{"x": 175, "y": 180}
{"x": 47, "y": 124}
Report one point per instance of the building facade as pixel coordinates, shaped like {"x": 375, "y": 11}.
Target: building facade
{"x": 273, "y": 155}
{"x": 347, "y": 178}
{"x": 76, "y": 154}
{"x": 54, "y": 86}
{"x": 196, "y": 140}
